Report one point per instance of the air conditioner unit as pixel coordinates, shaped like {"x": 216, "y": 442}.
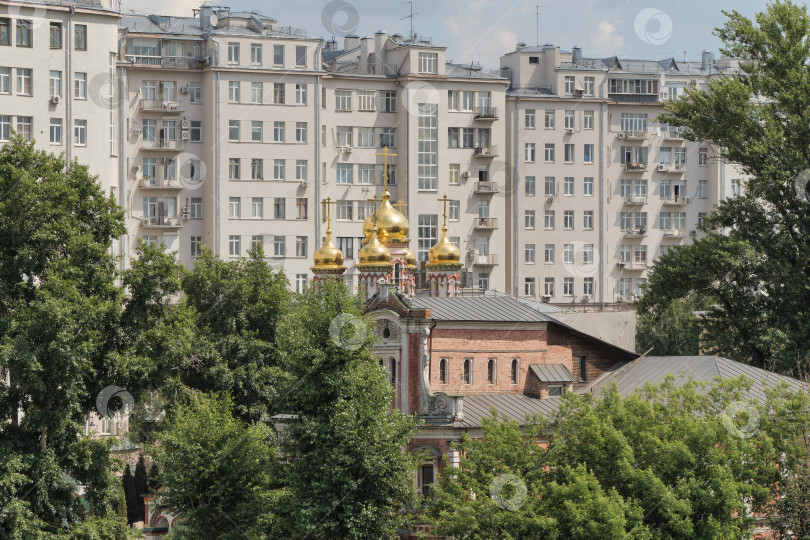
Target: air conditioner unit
{"x": 146, "y": 221}
{"x": 55, "y": 99}
{"x": 184, "y": 135}
{"x": 184, "y": 89}
{"x": 185, "y": 210}
{"x": 304, "y": 183}
{"x": 465, "y": 174}
{"x": 471, "y": 255}
{"x": 546, "y": 298}
{"x": 693, "y": 233}
{"x": 184, "y": 124}
{"x": 207, "y": 61}
{"x": 550, "y": 199}
{"x": 622, "y": 263}
{"x": 186, "y": 215}
{"x": 662, "y": 167}
{"x": 687, "y": 199}
{"x": 136, "y": 132}
{"x": 622, "y": 136}
{"x": 569, "y": 130}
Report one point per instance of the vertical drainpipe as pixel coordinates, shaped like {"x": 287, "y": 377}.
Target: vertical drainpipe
{"x": 68, "y": 88}
{"x": 122, "y": 164}
{"x": 602, "y": 114}
{"x": 514, "y": 192}
{"x": 217, "y": 226}
{"x": 318, "y": 179}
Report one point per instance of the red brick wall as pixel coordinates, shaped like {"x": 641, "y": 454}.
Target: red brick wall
{"x": 413, "y": 374}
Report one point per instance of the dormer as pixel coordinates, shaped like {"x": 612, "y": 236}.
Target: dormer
{"x": 549, "y": 380}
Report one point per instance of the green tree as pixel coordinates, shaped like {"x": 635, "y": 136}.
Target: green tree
{"x": 141, "y": 485}
{"x": 220, "y": 475}
{"x": 129, "y": 494}
{"x": 347, "y": 473}
{"x": 673, "y": 330}
{"x": 752, "y": 264}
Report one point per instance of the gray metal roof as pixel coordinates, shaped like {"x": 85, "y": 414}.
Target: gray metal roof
{"x": 461, "y": 71}
{"x": 513, "y": 406}
{"x": 654, "y": 369}
{"x": 479, "y": 308}
{"x": 91, "y": 4}
{"x": 174, "y": 25}
{"x": 551, "y": 373}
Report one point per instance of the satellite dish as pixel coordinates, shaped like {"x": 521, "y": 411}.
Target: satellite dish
{"x": 214, "y": 19}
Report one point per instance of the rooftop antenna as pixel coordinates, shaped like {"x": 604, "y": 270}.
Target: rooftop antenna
{"x": 684, "y": 54}
{"x": 537, "y": 36}
{"x": 409, "y": 17}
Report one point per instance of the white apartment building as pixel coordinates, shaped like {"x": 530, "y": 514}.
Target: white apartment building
{"x": 598, "y": 189}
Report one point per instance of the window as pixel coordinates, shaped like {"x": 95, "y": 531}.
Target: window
{"x": 343, "y": 211}
{"x": 256, "y": 92}
{"x": 587, "y": 120}
{"x": 491, "y": 371}
{"x": 528, "y": 219}
{"x": 528, "y": 287}
{"x": 555, "y": 390}
{"x": 300, "y": 94}
{"x": 25, "y": 33}
{"x": 467, "y": 376}
{"x": 5, "y": 80}
{"x": 344, "y": 173}
{"x": 634, "y": 122}
{"x": 443, "y": 370}
{"x": 257, "y": 130}
{"x": 346, "y": 245}
{"x": 79, "y": 86}
{"x": 256, "y": 54}
{"x": 550, "y": 186}
{"x": 587, "y": 254}
{"x": 5, "y": 127}
{"x": 549, "y": 119}
{"x": 568, "y": 286}
{"x": 301, "y": 169}
{"x": 453, "y": 210}
{"x": 528, "y": 254}
{"x": 278, "y": 93}
{"x": 483, "y": 281}
{"x": 703, "y": 156}
{"x": 301, "y": 206}
{"x": 257, "y": 207}
{"x": 548, "y": 286}
{"x": 257, "y": 169}
{"x": 235, "y": 207}
{"x": 534, "y": 59}
{"x": 80, "y": 43}
{"x": 703, "y": 189}
{"x": 256, "y": 242}
{"x": 569, "y": 85}
{"x": 278, "y": 55}
{"x": 529, "y": 118}
{"x": 343, "y": 100}
{"x": 364, "y": 209}
{"x": 300, "y": 246}
{"x": 568, "y": 220}
{"x": 530, "y": 152}
{"x": 5, "y": 31}
{"x": 634, "y": 155}
{"x": 80, "y": 132}
{"x": 453, "y": 137}
{"x": 388, "y": 101}
{"x": 587, "y": 223}
{"x": 568, "y": 150}
{"x": 428, "y": 234}
{"x": 233, "y": 130}
{"x": 568, "y": 186}
{"x": 569, "y": 119}
{"x": 455, "y": 173}
{"x": 24, "y": 77}
{"x": 279, "y": 246}
{"x": 590, "y": 84}
{"x": 195, "y": 92}
{"x": 664, "y": 220}
{"x": 428, "y": 62}
{"x": 515, "y": 371}
{"x": 549, "y": 254}
{"x": 366, "y": 100}
{"x": 279, "y": 208}
{"x": 234, "y": 245}
{"x": 587, "y": 286}
{"x": 196, "y": 208}
{"x": 233, "y": 168}
{"x": 195, "y": 133}
{"x": 736, "y": 187}
{"x": 587, "y": 186}
{"x": 56, "y": 36}
{"x": 279, "y": 169}
{"x": 233, "y": 91}
{"x": 278, "y": 131}
{"x": 588, "y": 153}
{"x": 549, "y": 154}
{"x": 300, "y": 282}
{"x": 233, "y": 53}
{"x": 388, "y": 137}
{"x": 680, "y": 156}
{"x": 196, "y": 246}
{"x": 300, "y": 56}
{"x": 549, "y": 220}
{"x": 530, "y": 186}
{"x": 428, "y": 146}
{"x": 56, "y": 131}
{"x": 467, "y": 137}
{"x": 702, "y": 219}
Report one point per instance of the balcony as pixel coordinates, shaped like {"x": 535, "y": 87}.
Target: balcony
{"x": 635, "y": 200}
{"x": 674, "y": 233}
{"x": 634, "y": 98}
{"x": 167, "y": 62}
{"x": 163, "y": 145}
{"x": 486, "y": 151}
{"x": 161, "y": 222}
{"x": 485, "y": 188}
{"x": 675, "y": 201}
{"x": 632, "y": 167}
{"x": 673, "y": 135}
{"x": 161, "y": 183}
{"x": 632, "y": 265}
{"x": 633, "y": 135}
{"x": 486, "y": 224}
{"x": 157, "y": 105}
{"x": 354, "y": 67}
{"x": 677, "y": 168}
{"x": 479, "y": 259}
{"x": 485, "y": 113}
{"x": 636, "y": 232}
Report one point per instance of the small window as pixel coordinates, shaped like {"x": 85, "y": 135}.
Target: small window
{"x": 491, "y": 371}
{"x": 443, "y": 371}
{"x": 515, "y": 375}
{"x": 534, "y": 59}
{"x": 583, "y": 368}
{"x": 466, "y": 378}
{"x": 555, "y": 390}
{"x": 81, "y": 37}
{"x": 392, "y": 370}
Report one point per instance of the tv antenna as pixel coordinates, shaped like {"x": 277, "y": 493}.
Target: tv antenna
{"x": 537, "y": 36}
{"x": 684, "y": 54}
{"x": 409, "y": 17}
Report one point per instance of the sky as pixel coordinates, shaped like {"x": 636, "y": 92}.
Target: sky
{"x": 483, "y": 30}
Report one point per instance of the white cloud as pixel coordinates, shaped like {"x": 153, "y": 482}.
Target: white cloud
{"x": 606, "y": 40}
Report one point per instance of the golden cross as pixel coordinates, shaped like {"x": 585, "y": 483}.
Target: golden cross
{"x": 328, "y": 202}
{"x": 399, "y": 205}
{"x": 443, "y": 200}
{"x": 374, "y": 200}
{"x": 387, "y": 154}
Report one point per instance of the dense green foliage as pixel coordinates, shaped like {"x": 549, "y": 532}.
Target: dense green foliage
{"x": 752, "y": 266}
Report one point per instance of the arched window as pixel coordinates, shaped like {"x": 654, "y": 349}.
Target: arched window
{"x": 397, "y": 273}
{"x": 491, "y": 371}
{"x": 443, "y": 371}
{"x": 466, "y": 378}
{"x": 515, "y": 371}
{"x": 392, "y": 370}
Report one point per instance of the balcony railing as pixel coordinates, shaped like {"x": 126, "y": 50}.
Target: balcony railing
{"x": 635, "y": 167}
{"x": 389, "y": 70}
{"x": 533, "y": 89}
{"x": 634, "y": 98}
{"x": 675, "y": 201}
{"x": 635, "y": 200}
{"x": 486, "y": 223}
{"x": 674, "y": 233}
{"x": 485, "y": 187}
{"x": 630, "y": 134}
{"x": 161, "y": 222}
{"x": 168, "y": 62}
{"x": 165, "y": 145}
{"x": 158, "y": 105}
{"x": 486, "y": 151}
{"x": 632, "y": 265}
{"x": 479, "y": 259}
{"x": 635, "y": 232}
{"x": 486, "y": 113}
{"x": 160, "y": 183}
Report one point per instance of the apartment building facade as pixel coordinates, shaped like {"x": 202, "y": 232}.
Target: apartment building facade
{"x": 598, "y": 189}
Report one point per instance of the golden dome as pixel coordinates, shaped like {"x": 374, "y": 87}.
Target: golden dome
{"x": 410, "y": 258}
{"x": 393, "y": 227}
{"x": 444, "y": 252}
{"x": 373, "y": 253}
{"x": 329, "y": 257}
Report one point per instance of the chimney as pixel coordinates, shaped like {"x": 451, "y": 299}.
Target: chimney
{"x": 576, "y": 55}
{"x": 205, "y": 18}
{"x": 707, "y": 59}
{"x": 352, "y": 41}
{"x": 330, "y": 45}
{"x": 519, "y": 46}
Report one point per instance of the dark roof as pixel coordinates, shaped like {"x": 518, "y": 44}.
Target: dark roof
{"x": 654, "y": 369}
{"x": 513, "y": 406}
{"x": 551, "y": 373}
{"x": 479, "y": 308}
